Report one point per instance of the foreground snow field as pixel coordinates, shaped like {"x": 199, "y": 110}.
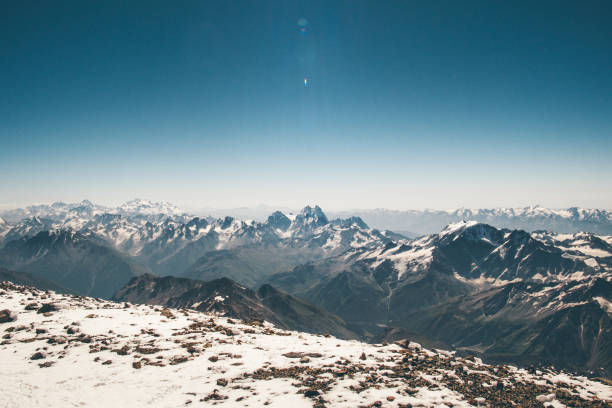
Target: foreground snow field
{"x": 67, "y": 351}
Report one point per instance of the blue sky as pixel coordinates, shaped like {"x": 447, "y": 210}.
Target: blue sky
{"x": 433, "y": 104}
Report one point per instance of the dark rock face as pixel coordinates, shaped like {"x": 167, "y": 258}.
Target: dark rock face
{"x": 525, "y": 322}
{"x": 227, "y": 297}
{"x": 279, "y": 220}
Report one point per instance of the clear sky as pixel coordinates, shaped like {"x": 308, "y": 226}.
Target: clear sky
{"x": 353, "y": 104}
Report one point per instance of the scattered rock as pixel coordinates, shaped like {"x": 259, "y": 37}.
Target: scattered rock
{"x": 178, "y": 360}
{"x": 214, "y": 396}
{"x": 123, "y": 351}
{"x": 47, "y": 308}
{"x": 310, "y": 393}
{"x": 147, "y": 350}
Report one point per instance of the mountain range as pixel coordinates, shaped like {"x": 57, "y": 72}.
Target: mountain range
{"x": 506, "y": 294}
{"x": 202, "y": 248}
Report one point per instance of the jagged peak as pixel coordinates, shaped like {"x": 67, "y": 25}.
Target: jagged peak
{"x": 312, "y": 215}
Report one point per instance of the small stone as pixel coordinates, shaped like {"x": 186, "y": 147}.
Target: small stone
{"x": 363, "y": 356}
{"x": 137, "y": 365}
{"x": 37, "y": 356}
{"x": 213, "y": 359}
{"x": 311, "y": 393}
{"x": 222, "y": 382}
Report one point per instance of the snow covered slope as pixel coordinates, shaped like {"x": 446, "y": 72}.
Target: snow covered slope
{"x": 60, "y": 350}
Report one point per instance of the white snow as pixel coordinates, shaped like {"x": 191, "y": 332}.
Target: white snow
{"x": 78, "y": 376}
{"x": 604, "y": 303}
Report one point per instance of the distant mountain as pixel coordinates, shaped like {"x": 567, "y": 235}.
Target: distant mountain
{"x": 70, "y": 260}
{"x": 206, "y": 248}
{"x": 27, "y": 279}
{"x": 228, "y": 298}
{"x": 25, "y": 228}
{"x": 86, "y": 210}
{"x": 414, "y": 222}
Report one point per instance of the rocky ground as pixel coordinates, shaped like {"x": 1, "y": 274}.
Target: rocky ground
{"x": 63, "y": 350}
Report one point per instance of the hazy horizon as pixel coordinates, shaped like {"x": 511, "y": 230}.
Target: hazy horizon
{"x": 200, "y": 210}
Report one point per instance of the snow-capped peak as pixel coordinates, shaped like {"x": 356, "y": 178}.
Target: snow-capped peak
{"x": 311, "y": 217}
{"x": 457, "y": 226}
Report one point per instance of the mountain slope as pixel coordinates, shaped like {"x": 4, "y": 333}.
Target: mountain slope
{"x": 140, "y": 355}
{"x": 71, "y": 260}
{"x": 27, "y": 279}
{"x": 228, "y": 298}
{"x": 408, "y": 286}
{"x": 568, "y": 324}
